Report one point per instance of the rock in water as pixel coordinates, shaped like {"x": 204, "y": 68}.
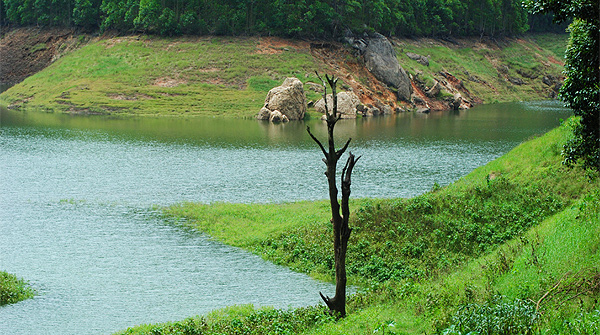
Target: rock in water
{"x": 276, "y": 116}
{"x": 288, "y": 99}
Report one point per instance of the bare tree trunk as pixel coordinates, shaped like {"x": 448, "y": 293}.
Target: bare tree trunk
{"x": 341, "y": 231}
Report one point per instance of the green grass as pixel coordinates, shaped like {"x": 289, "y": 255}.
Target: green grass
{"x": 13, "y": 289}
{"x": 161, "y": 76}
{"x": 241, "y": 320}
{"x": 556, "y": 43}
{"x": 226, "y": 76}
{"x": 478, "y": 65}
{"x": 516, "y": 242}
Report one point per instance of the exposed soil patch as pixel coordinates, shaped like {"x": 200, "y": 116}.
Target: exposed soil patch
{"x": 209, "y": 70}
{"x": 276, "y": 45}
{"x": 125, "y": 97}
{"x": 354, "y": 74}
{"x": 122, "y": 97}
{"x": 26, "y": 51}
{"x": 169, "y": 82}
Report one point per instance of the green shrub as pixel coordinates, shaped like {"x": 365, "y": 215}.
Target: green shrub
{"x": 495, "y": 318}
{"x": 13, "y": 289}
{"x": 584, "y": 324}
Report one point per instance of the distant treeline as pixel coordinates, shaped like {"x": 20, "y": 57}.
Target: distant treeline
{"x": 293, "y": 18}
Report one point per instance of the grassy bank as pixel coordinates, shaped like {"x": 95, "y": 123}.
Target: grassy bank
{"x": 228, "y": 76}
{"x": 516, "y": 244}
{"x": 508, "y": 70}
{"x": 13, "y": 289}
{"x": 144, "y": 75}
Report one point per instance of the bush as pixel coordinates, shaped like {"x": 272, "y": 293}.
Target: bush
{"x": 13, "y": 289}
{"x": 495, "y": 318}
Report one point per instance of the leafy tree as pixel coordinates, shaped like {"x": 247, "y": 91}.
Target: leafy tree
{"x": 148, "y": 15}
{"x": 299, "y": 18}
{"x": 2, "y": 13}
{"x": 119, "y": 14}
{"x": 86, "y": 13}
{"x": 167, "y": 23}
{"x": 581, "y": 90}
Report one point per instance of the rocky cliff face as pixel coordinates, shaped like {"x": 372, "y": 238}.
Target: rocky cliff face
{"x": 380, "y": 59}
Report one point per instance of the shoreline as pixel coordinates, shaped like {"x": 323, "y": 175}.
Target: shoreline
{"x": 149, "y": 76}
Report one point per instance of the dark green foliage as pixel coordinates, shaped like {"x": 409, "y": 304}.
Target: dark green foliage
{"x": 495, "y": 318}
{"x": 13, "y": 289}
{"x": 118, "y": 14}
{"x": 307, "y": 18}
{"x": 581, "y": 90}
{"x": 583, "y": 324}
{"x": 86, "y": 13}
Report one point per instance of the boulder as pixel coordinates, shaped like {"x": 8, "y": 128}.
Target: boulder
{"x": 550, "y": 80}
{"x": 348, "y": 103}
{"x": 380, "y": 59}
{"x": 276, "y": 116}
{"x": 387, "y": 109}
{"x": 288, "y": 99}
{"x": 516, "y": 81}
{"x": 457, "y": 100}
{"x": 419, "y": 58}
{"x": 434, "y": 90}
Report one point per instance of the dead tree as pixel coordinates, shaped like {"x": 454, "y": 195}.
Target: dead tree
{"x": 341, "y": 231}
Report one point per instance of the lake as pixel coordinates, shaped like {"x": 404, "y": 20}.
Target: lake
{"x": 77, "y": 195}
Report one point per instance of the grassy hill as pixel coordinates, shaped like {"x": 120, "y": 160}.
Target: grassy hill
{"x": 230, "y": 76}
{"x": 512, "y": 248}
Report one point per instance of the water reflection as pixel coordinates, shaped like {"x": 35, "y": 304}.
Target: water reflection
{"x": 504, "y": 122}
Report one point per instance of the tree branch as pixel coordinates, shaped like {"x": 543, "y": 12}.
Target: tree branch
{"x": 319, "y": 143}
{"x": 340, "y": 152}
{"x": 324, "y": 94}
{"x": 346, "y": 182}
{"x": 327, "y": 301}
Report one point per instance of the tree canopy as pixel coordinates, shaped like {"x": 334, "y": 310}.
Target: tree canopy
{"x": 581, "y": 90}
{"x": 303, "y": 18}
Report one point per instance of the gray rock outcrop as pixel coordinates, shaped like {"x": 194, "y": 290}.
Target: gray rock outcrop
{"x": 380, "y": 59}
{"x": 288, "y": 100}
{"x": 348, "y": 103}
{"x": 419, "y": 58}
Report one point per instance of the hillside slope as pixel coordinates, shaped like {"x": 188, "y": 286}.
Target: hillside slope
{"x": 230, "y": 76}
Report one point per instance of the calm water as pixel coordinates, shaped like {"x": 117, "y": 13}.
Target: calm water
{"x": 76, "y": 195}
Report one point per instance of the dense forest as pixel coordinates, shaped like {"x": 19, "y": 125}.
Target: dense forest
{"x": 298, "y": 18}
